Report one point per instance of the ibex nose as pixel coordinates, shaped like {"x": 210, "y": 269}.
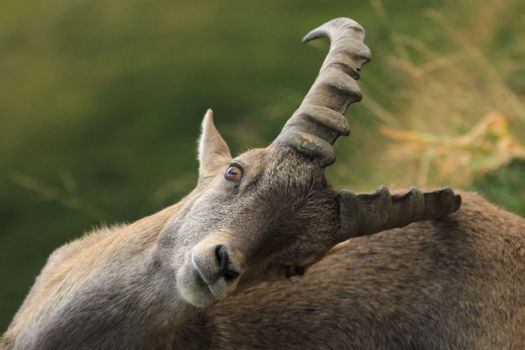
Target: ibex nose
{"x": 223, "y": 259}
{"x": 215, "y": 264}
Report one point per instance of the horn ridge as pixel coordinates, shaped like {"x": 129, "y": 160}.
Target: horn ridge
{"x": 319, "y": 121}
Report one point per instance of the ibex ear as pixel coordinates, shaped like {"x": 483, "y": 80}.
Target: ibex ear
{"x": 214, "y": 153}
{"x": 364, "y": 214}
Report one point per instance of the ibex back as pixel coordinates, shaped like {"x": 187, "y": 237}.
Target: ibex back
{"x": 263, "y": 216}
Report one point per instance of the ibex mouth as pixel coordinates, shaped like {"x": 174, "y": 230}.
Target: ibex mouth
{"x": 199, "y": 279}
{"x": 208, "y": 275}
{"x": 211, "y": 277}
{"x": 193, "y": 288}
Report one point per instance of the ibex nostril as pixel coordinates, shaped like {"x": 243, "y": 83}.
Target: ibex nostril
{"x": 224, "y": 261}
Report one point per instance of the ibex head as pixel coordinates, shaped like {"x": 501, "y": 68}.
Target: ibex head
{"x": 270, "y": 212}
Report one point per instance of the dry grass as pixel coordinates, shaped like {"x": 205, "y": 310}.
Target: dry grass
{"x": 458, "y": 116}
{"x": 485, "y": 148}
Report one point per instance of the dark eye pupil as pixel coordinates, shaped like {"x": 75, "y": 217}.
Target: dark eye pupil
{"x": 233, "y": 173}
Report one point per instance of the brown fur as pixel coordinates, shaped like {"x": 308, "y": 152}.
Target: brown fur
{"x": 71, "y": 263}
{"x": 456, "y": 283}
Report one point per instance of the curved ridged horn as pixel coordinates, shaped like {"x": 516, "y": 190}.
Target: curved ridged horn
{"x": 365, "y": 214}
{"x": 319, "y": 120}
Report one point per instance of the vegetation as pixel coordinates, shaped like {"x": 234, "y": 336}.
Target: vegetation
{"x": 101, "y": 104}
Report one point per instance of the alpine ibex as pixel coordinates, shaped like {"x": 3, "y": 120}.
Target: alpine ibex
{"x": 166, "y": 281}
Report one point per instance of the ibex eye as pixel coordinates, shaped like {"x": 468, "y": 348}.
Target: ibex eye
{"x": 233, "y": 173}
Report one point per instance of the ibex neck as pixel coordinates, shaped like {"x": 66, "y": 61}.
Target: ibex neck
{"x": 106, "y": 290}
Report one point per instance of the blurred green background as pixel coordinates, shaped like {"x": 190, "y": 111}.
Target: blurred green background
{"x": 101, "y": 101}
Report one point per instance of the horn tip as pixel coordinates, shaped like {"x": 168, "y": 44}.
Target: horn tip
{"x": 337, "y": 23}
{"x": 314, "y": 34}
{"x": 457, "y": 202}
